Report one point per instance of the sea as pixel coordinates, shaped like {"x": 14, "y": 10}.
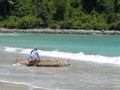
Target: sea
{"x": 94, "y": 59}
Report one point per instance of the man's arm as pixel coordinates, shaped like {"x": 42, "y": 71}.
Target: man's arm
{"x": 38, "y": 56}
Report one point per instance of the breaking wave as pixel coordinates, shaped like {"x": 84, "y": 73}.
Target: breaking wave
{"x": 68, "y": 55}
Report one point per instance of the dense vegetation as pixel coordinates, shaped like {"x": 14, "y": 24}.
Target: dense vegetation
{"x": 76, "y": 14}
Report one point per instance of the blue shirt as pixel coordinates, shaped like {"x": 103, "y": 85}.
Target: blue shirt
{"x": 34, "y": 53}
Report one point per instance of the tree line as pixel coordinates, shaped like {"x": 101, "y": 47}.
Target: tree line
{"x": 60, "y": 14}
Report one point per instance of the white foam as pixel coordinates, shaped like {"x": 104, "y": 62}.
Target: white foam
{"x": 68, "y": 55}
{"x": 10, "y": 49}
{"x": 16, "y": 64}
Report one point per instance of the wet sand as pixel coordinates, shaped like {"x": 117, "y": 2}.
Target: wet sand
{"x": 8, "y": 86}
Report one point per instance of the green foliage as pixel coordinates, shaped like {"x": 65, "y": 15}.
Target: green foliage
{"x": 115, "y": 26}
{"x": 54, "y": 26}
{"x": 88, "y": 5}
{"x": 40, "y": 11}
{"x": 66, "y": 25}
{"x": 10, "y": 22}
{"x": 106, "y": 6}
{"x": 68, "y": 14}
{"x": 117, "y": 6}
{"x": 26, "y": 22}
{"x": 75, "y": 3}
{"x": 22, "y": 8}
{"x": 60, "y": 10}
{"x": 23, "y": 23}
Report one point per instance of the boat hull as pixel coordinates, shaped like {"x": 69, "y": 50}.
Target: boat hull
{"x": 44, "y": 63}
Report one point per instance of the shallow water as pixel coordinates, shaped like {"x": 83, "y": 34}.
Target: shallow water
{"x": 108, "y": 45}
{"x": 81, "y": 75}
{"x": 88, "y": 70}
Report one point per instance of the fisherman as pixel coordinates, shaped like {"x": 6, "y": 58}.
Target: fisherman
{"x": 34, "y": 55}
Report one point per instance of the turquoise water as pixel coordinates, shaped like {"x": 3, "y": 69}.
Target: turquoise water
{"x": 95, "y": 61}
{"x": 108, "y": 45}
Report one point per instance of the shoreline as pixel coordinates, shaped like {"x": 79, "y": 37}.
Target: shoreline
{"x": 11, "y": 86}
{"x": 5, "y": 85}
{"x": 60, "y": 31}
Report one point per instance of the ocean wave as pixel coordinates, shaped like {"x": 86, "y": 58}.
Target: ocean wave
{"x": 68, "y": 55}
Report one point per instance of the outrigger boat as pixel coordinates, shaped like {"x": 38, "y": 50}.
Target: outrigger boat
{"x": 44, "y": 63}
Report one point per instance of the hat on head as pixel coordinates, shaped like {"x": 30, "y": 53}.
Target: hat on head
{"x": 35, "y": 48}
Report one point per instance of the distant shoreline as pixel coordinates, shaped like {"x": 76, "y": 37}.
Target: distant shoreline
{"x": 60, "y": 31}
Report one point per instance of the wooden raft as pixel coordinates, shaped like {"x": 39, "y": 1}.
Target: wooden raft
{"x": 44, "y": 63}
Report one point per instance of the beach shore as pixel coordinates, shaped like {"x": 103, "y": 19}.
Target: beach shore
{"x": 8, "y": 86}
{"x": 60, "y": 31}
{"x": 12, "y": 86}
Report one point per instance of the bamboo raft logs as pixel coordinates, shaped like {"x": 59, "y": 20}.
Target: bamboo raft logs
{"x": 44, "y": 63}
